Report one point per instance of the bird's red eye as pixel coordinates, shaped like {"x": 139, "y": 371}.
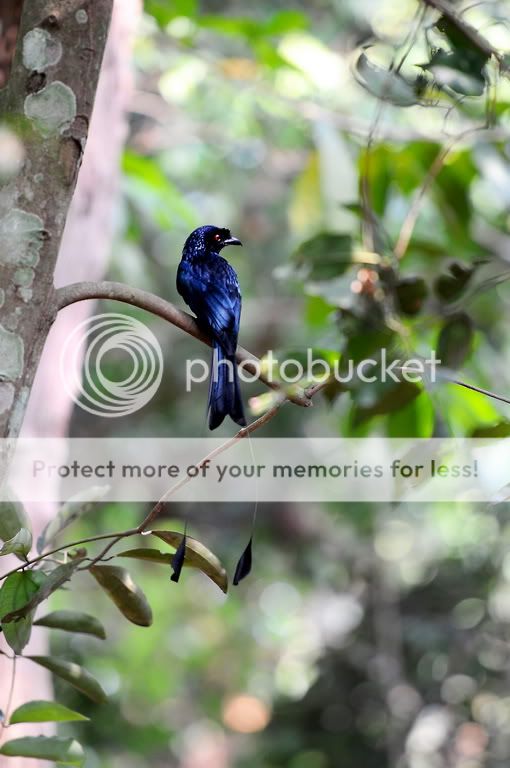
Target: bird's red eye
{"x": 217, "y": 237}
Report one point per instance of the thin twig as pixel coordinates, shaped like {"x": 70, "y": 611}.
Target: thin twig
{"x": 480, "y": 390}
{"x": 369, "y": 229}
{"x": 70, "y": 294}
{"x": 70, "y": 545}
{"x": 452, "y": 380}
{"x": 411, "y": 218}
{"x": 101, "y": 556}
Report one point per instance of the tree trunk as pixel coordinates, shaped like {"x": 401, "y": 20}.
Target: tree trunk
{"x": 48, "y": 99}
{"x": 84, "y": 250}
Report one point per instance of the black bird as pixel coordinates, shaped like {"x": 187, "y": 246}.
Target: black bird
{"x": 209, "y": 286}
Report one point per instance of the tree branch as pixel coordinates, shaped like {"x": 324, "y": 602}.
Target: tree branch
{"x": 446, "y": 9}
{"x": 70, "y": 294}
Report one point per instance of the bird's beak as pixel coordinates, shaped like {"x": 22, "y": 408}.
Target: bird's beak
{"x": 232, "y": 241}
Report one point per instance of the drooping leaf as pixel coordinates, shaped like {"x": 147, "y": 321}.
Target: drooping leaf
{"x": 15, "y": 592}
{"x": 20, "y": 544}
{"x": 50, "y": 584}
{"x": 44, "y": 712}
{"x": 54, "y": 748}
{"x": 72, "y": 621}
{"x": 178, "y": 560}
{"x": 78, "y": 505}
{"x": 149, "y": 555}
{"x": 122, "y": 590}
{"x": 244, "y": 564}
{"x": 72, "y": 673}
{"x": 455, "y": 340}
{"x": 385, "y": 84}
{"x": 197, "y": 556}
{"x": 324, "y": 256}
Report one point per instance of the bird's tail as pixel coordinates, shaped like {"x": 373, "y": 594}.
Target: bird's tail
{"x": 224, "y": 392}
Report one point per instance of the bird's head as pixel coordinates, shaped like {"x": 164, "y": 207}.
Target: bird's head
{"x": 210, "y": 239}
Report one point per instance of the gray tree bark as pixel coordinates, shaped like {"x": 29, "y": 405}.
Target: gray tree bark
{"x": 48, "y": 100}
{"x": 85, "y": 246}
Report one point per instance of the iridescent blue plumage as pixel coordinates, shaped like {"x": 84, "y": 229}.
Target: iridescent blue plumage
{"x": 209, "y": 286}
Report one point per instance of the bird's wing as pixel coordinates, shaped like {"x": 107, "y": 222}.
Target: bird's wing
{"x": 213, "y": 294}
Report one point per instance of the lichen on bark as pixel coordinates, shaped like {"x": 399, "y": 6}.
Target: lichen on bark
{"x": 47, "y": 102}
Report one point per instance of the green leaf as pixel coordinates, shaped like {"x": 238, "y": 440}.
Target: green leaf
{"x": 50, "y": 584}
{"x": 122, "y": 590}
{"x": 501, "y": 429}
{"x": 21, "y": 544}
{"x": 150, "y": 555}
{"x": 305, "y": 212}
{"x": 164, "y": 11}
{"x": 13, "y": 519}
{"x": 455, "y": 340}
{"x": 16, "y": 591}
{"x": 416, "y": 419}
{"x": 72, "y": 673}
{"x": 325, "y": 256}
{"x": 153, "y": 192}
{"x": 233, "y": 26}
{"x": 197, "y": 556}
{"x": 72, "y": 621}
{"x": 44, "y": 712}
{"x": 73, "y": 509}
{"x": 391, "y": 397}
{"x": 282, "y": 22}
{"x": 384, "y": 84}
{"x": 53, "y": 748}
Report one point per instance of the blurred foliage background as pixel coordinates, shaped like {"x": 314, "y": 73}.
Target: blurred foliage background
{"x": 366, "y": 635}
